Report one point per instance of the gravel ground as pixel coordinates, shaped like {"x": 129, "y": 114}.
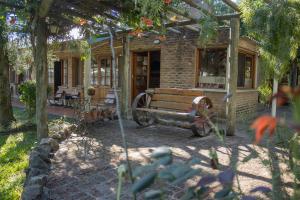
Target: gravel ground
{"x": 91, "y": 174}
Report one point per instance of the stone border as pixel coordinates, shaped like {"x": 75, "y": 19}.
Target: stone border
{"x": 40, "y": 165}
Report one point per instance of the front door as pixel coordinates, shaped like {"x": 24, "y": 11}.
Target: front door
{"x": 57, "y": 75}
{"x": 146, "y": 71}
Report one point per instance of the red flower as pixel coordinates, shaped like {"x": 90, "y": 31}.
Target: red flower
{"x": 147, "y": 21}
{"x": 162, "y": 38}
{"x": 82, "y": 22}
{"x": 168, "y": 1}
{"x": 137, "y": 32}
{"x": 261, "y": 124}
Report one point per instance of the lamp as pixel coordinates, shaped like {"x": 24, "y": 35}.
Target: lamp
{"x": 54, "y": 29}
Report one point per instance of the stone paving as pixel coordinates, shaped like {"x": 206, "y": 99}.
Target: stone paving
{"x": 90, "y": 173}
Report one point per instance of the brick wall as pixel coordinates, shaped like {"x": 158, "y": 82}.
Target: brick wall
{"x": 246, "y": 102}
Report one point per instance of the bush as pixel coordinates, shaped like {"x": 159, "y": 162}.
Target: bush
{"x": 265, "y": 93}
{"x": 27, "y": 92}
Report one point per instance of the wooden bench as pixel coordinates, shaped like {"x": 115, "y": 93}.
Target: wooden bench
{"x": 185, "y": 108}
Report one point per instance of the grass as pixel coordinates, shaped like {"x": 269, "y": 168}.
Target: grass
{"x": 14, "y": 153}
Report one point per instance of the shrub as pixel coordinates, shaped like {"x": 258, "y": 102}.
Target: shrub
{"x": 27, "y": 92}
{"x": 265, "y": 93}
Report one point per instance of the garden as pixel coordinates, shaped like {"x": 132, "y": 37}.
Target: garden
{"x": 149, "y": 99}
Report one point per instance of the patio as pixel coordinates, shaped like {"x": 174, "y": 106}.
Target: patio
{"x": 94, "y": 176}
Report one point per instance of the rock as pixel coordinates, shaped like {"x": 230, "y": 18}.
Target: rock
{"x": 32, "y": 192}
{"x": 39, "y": 180}
{"x": 35, "y": 161}
{"x": 53, "y": 143}
{"x": 72, "y": 127}
{"x": 62, "y": 134}
{"x": 35, "y": 172}
{"x": 41, "y": 153}
{"x": 44, "y": 151}
{"x": 67, "y": 132}
{"x": 46, "y": 193}
{"x": 57, "y": 137}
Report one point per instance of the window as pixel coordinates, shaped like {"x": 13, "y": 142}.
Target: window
{"x": 51, "y": 73}
{"x": 212, "y": 68}
{"x": 105, "y": 72}
{"x": 94, "y": 73}
{"x": 245, "y": 71}
{"x": 65, "y": 79}
{"x": 76, "y": 72}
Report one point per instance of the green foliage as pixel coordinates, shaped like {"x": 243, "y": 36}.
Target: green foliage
{"x": 14, "y": 151}
{"x": 28, "y": 96}
{"x": 275, "y": 24}
{"x": 265, "y": 92}
{"x": 209, "y": 30}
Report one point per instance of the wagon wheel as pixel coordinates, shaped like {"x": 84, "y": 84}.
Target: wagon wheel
{"x": 142, "y": 117}
{"x": 201, "y": 125}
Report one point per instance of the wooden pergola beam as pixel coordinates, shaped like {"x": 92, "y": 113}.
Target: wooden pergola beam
{"x": 228, "y": 16}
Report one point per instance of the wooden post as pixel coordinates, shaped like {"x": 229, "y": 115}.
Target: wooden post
{"x": 86, "y": 76}
{"x": 233, "y": 72}
{"x": 274, "y": 101}
{"x": 40, "y": 61}
{"x": 125, "y": 77}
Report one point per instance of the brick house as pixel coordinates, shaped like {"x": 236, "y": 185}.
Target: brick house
{"x": 178, "y": 62}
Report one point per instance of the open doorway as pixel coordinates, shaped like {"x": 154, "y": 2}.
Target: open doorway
{"x": 57, "y": 75}
{"x": 146, "y": 71}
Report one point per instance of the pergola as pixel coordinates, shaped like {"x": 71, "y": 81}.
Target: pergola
{"x": 63, "y": 14}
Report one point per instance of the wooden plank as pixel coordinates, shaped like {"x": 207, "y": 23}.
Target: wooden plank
{"x": 173, "y": 98}
{"x": 170, "y": 115}
{"x": 178, "y": 91}
{"x": 170, "y": 105}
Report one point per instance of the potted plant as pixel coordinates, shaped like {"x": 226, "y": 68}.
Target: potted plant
{"x": 91, "y": 91}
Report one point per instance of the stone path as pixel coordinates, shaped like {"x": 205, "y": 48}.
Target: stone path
{"x": 94, "y": 176}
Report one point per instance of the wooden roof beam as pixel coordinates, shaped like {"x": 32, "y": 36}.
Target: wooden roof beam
{"x": 228, "y": 16}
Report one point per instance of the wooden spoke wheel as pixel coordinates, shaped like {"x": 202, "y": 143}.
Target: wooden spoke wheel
{"x": 201, "y": 125}
{"x": 141, "y": 116}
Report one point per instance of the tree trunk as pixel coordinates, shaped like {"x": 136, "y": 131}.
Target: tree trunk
{"x": 6, "y": 112}
{"x": 41, "y": 67}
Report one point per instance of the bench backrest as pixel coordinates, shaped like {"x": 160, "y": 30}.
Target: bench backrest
{"x": 174, "y": 99}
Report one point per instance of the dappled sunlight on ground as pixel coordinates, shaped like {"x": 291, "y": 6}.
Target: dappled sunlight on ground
{"x": 92, "y": 174}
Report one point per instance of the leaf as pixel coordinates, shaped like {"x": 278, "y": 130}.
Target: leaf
{"x": 207, "y": 180}
{"x": 266, "y": 162}
{"x": 248, "y": 198}
{"x": 202, "y": 191}
{"x": 189, "y": 194}
{"x": 262, "y": 189}
{"x": 153, "y": 194}
{"x": 194, "y": 161}
{"x": 251, "y": 156}
{"x": 161, "y": 152}
{"x": 222, "y": 193}
{"x": 144, "y": 182}
{"x": 122, "y": 169}
{"x": 166, "y": 160}
{"x": 166, "y": 175}
{"x": 226, "y": 177}
{"x": 179, "y": 170}
{"x": 261, "y": 124}
{"x": 186, "y": 176}
{"x": 143, "y": 169}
